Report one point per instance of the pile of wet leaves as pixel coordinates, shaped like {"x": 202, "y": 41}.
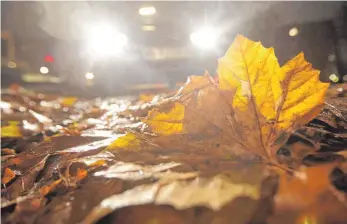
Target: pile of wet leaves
{"x": 55, "y": 169}
{"x": 258, "y": 143}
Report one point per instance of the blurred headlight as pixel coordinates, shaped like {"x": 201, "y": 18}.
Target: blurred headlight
{"x": 205, "y": 38}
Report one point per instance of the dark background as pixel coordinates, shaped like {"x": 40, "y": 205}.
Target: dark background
{"x": 55, "y": 28}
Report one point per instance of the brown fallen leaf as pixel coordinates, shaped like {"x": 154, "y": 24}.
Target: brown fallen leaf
{"x": 182, "y": 193}
{"x": 26, "y": 211}
{"x": 305, "y": 187}
{"x": 27, "y": 180}
{"x": 8, "y": 176}
{"x": 213, "y": 193}
{"x": 70, "y": 131}
{"x": 7, "y": 151}
{"x": 308, "y": 196}
{"x": 147, "y": 214}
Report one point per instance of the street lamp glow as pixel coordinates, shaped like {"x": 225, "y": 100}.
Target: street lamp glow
{"x": 206, "y": 38}
{"x": 148, "y": 28}
{"x": 105, "y": 40}
{"x": 334, "y": 78}
{"x": 293, "y": 32}
{"x": 11, "y": 64}
{"x": 89, "y": 76}
{"x": 44, "y": 70}
{"x": 147, "y": 11}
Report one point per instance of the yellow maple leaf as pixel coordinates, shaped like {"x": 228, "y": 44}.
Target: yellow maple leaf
{"x": 302, "y": 93}
{"x": 130, "y": 141}
{"x": 269, "y": 100}
{"x": 254, "y": 107}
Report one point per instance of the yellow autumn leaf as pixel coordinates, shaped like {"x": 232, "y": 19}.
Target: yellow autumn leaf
{"x": 254, "y": 107}
{"x": 68, "y": 101}
{"x": 170, "y": 122}
{"x": 130, "y": 141}
{"x": 248, "y": 68}
{"x": 188, "y": 121}
{"x": 269, "y": 100}
{"x": 146, "y": 97}
{"x": 192, "y": 110}
{"x": 12, "y": 130}
{"x": 302, "y": 92}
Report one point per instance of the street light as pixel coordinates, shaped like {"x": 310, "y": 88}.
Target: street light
{"x": 44, "y": 70}
{"x": 11, "y": 64}
{"x": 293, "y": 32}
{"x": 205, "y": 38}
{"x": 334, "y": 78}
{"x": 148, "y": 28}
{"x": 147, "y": 11}
{"x": 104, "y": 40}
{"x": 89, "y": 76}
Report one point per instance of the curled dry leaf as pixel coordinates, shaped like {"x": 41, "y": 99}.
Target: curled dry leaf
{"x": 213, "y": 193}
{"x": 251, "y": 111}
{"x": 8, "y": 176}
{"x": 27, "y": 180}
